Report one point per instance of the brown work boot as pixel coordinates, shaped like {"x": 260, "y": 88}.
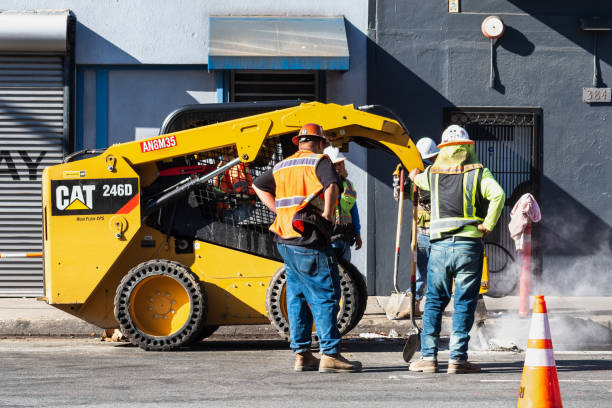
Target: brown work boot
{"x": 305, "y": 361}
{"x": 425, "y": 366}
{"x": 462, "y": 367}
{"x": 336, "y": 363}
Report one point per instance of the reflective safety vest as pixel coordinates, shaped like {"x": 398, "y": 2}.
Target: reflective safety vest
{"x": 297, "y": 186}
{"x": 348, "y": 198}
{"x": 456, "y": 201}
{"x": 236, "y": 180}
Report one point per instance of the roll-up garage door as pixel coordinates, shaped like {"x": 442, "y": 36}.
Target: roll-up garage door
{"x": 33, "y": 135}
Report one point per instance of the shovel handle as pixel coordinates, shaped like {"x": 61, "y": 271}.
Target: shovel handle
{"x": 414, "y": 247}
{"x": 414, "y": 243}
{"x": 398, "y": 233}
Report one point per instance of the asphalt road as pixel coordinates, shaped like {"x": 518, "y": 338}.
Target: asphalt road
{"x": 56, "y": 372}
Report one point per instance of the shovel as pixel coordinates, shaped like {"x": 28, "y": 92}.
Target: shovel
{"x": 398, "y": 301}
{"x": 414, "y": 339}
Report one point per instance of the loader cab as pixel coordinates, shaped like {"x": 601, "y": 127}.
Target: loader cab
{"x": 223, "y": 211}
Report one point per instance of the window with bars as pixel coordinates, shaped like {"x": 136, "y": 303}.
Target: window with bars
{"x": 275, "y": 85}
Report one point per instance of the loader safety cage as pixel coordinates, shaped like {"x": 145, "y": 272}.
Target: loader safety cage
{"x": 210, "y": 214}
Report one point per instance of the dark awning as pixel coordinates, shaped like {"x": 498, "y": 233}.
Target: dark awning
{"x": 312, "y": 43}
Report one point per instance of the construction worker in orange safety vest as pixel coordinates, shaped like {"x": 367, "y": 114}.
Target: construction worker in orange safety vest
{"x": 303, "y": 191}
{"x": 238, "y": 184}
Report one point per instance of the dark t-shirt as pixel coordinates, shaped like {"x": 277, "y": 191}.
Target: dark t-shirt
{"x": 326, "y": 173}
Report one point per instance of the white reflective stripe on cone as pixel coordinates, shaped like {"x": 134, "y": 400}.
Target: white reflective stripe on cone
{"x": 539, "y": 358}
{"x": 539, "y": 327}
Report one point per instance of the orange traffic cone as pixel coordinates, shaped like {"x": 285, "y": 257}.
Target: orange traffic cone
{"x": 539, "y": 385}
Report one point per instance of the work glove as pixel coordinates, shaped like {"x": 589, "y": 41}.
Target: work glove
{"x": 396, "y": 182}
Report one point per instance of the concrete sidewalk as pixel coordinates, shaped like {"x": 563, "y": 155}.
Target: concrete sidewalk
{"x": 29, "y": 317}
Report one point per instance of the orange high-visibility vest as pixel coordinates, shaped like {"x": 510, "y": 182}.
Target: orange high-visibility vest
{"x": 241, "y": 179}
{"x": 297, "y": 186}
{"x": 236, "y": 180}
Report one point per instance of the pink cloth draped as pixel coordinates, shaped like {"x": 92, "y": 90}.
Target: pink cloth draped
{"x": 524, "y": 211}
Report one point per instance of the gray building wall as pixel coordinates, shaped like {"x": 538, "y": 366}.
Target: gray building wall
{"x": 422, "y": 59}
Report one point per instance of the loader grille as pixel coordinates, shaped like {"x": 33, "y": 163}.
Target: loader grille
{"x": 225, "y": 210}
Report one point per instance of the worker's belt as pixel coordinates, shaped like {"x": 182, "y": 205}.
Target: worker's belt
{"x": 455, "y": 238}
{"x": 423, "y": 230}
{"x": 244, "y": 197}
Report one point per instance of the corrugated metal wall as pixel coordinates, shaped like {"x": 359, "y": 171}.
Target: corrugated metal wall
{"x": 32, "y": 137}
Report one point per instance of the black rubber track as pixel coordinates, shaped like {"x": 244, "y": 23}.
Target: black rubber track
{"x": 186, "y": 279}
{"x": 349, "y": 310}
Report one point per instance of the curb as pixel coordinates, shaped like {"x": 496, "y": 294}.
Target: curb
{"x": 48, "y": 327}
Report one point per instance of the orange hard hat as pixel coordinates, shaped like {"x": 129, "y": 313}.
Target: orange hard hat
{"x": 307, "y": 131}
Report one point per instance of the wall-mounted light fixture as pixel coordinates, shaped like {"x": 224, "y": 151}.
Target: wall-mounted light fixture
{"x": 492, "y": 28}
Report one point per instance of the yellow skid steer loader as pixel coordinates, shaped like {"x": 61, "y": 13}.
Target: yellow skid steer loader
{"x": 163, "y": 237}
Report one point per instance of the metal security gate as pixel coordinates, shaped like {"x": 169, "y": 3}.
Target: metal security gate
{"x": 507, "y": 141}
{"x": 33, "y": 135}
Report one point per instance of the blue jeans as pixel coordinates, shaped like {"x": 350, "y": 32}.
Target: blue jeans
{"x": 344, "y": 247}
{"x": 422, "y": 261}
{"x": 459, "y": 260}
{"x": 242, "y": 212}
{"x": 312, "y": 280}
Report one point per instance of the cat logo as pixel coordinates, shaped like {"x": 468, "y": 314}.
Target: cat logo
{"x": 76, "y": 197}
{"x": 94, "y": 196}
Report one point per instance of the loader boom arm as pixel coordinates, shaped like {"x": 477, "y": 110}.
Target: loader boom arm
{"x": 341, "y": 123}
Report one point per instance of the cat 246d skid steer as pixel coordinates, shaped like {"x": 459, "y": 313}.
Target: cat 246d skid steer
{"x": 163, "y": 237}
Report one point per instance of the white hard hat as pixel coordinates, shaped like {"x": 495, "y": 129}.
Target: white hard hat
{"x": 453, "y": 135}
{"x": 427, "y": 147}
{"x": 334, "y": 154}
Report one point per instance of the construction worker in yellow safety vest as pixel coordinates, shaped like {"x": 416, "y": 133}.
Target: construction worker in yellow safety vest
{"x": 347, "y": 228}
{"x": 302, "y": 190}
{"x": 466, "y": 202}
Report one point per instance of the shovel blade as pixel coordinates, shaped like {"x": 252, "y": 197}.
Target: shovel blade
{"x": 398, "y": 306}
{"x": 412, "y": 344}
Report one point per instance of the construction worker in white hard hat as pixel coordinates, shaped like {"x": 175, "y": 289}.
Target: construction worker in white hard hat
{"x": 347, "y": 229}
{"x": 428, "y": 151}
{"x": 466, "y": 202}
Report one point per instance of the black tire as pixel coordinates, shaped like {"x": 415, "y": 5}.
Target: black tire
{"x": 349, "y": 304}
{"x": 361, "y": 293}
{"x": 203, "y": 331}
{"x": 165, "y": 271}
